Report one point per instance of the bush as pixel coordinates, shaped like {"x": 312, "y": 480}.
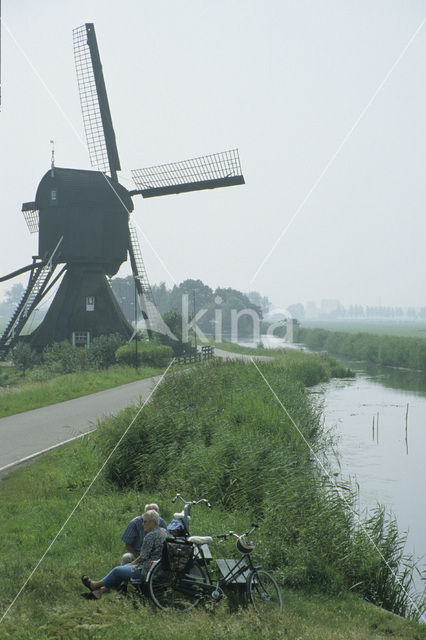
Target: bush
{"x": 63, "y": 357}
{"x": 150, "y": 353}
{"x": 23, "y": 357}
{"x": 103, "y": 349}
{"x": 173, "y": 320}
{"x": 394, "y": 351}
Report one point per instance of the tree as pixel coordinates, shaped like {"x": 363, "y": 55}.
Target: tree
{"x": 23, "y": 357}
{"x": 102, "y": 350}
{"x": 261, "y": 301}
{"x": 173, "y": 320}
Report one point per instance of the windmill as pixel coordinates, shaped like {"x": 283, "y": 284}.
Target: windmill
{"x": 82, "y": 218}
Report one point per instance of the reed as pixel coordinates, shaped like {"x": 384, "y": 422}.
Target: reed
{"x": 219, "y": 432}
{"x": 396, "y": 351}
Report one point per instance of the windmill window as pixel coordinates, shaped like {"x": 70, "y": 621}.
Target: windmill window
{"x": 90, "y": 303}
{"x": 81, "y": 338}
{"x": 53, "y": 195}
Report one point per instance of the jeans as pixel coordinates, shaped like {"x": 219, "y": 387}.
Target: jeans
{"x": 122, "y": 573}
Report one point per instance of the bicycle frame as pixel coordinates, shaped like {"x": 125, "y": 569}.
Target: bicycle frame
{"x": 239, "y": 569}
{"x": 200, "y": 582}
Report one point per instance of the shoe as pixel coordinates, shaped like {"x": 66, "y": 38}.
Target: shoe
{"x": 92, "y": 595}
{"x": 86, "y": 581}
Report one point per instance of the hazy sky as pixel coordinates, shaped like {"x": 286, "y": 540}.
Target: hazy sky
{"x": 284, "y": 81}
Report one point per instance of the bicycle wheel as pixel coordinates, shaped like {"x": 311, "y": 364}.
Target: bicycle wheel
{"x": 172, "y": 591}
{"x": 263, "y": 592}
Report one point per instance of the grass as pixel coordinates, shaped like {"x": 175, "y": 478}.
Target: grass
{"x": 10, "y": 375}
{"x": 390, "y": 328}
{"x": 219, "y": 432}
{"x": 214, "y": 432}
{"x": 26, "y": 393}
{"x": 388, "y": 350}
{"x": 33, "y": 395}
{"x": 258, "y": 351}
{"x": 296, "y": 360}
{"x": 37, "y": 499}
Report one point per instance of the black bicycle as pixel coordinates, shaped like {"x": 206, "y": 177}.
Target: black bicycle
{"x": 183, "y": 578}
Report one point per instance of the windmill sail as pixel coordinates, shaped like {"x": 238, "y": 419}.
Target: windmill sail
{"x": 150, "y": 313}
{"x": 207, "y": 172}
{"x": 94, "y": 102}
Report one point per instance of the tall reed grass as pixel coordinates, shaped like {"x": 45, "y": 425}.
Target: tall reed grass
{"x": 396, "y": 351}
{"x": 218, "y": 432}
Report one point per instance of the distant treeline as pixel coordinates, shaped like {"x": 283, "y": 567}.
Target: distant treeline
{"x": 202, "y": 300}
{"x": 395, "y": 351}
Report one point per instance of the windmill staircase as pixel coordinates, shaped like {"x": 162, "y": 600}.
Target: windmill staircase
{"x": 31, "y": 297}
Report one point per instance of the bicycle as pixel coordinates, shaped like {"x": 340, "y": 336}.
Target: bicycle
{"x": 188, "y": 580}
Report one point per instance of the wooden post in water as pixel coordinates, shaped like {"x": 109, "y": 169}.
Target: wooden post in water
{"x": 406, "y": 430}
{"x": 373, "y": 428}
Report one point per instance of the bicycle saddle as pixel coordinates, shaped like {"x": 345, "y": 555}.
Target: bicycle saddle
{"x": 200, "y": 539}
{"x": 180, "y": 516}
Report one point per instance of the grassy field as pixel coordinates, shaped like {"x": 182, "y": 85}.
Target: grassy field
{"x": 25, "y": 393}
{"x": 387, "y": 350}
{"x": 293, "y": 359}
{"x": 216, "y": 432}
{"x": 382, "y": 328}
{"x": 10, "y": 375}
{"x": 255, "y": 351}
{"x": 32, "y": 394}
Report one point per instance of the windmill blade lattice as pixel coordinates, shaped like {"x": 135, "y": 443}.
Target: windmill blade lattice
{"x": 31, "y": 215}
{"x": 206, "y": 172}
{"x": 94, "y": 102}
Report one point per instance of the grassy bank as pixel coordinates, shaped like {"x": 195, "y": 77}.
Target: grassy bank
{"x": 215, "y": 432}
{"x": 405, "y": 329}
{"x": 33, "y": 395}
{"x": 317, "y": 367}
{"x": 259, "y": 350}
{"x": 36, "y": 501}
{"x": 396, "y": 351}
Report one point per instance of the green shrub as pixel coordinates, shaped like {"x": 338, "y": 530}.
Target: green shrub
{"x": 103, "y": 349}
{"x": 173, "y": 320}
{"x": 23, "y": 357}
{"x": 63, "y": 357}
{"x": 150, "y": 353}
{"x": 395, "y": 351}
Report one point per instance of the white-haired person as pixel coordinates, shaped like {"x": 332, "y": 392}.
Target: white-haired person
{"x": 134, "y": 534}
{"x": 137, "y": 570}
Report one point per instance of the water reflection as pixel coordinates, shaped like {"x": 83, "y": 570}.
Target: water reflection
{"x": 381, "y": 433}
{"x": 379, "y": 422}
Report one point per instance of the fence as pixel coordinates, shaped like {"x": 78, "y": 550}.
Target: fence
{"x": 206, "y": 353}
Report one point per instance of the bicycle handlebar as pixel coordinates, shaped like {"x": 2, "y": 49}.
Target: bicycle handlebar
{"x": 191, "y": 502}
{"x": 223, "y": 536}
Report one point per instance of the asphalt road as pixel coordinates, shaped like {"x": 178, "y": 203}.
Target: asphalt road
{"x": 26, "y": 435}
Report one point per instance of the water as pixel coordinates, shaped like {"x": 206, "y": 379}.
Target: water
{"x": 389, "y": 463}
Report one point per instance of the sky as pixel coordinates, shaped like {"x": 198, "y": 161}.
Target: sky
{"x": 325, "y": 101}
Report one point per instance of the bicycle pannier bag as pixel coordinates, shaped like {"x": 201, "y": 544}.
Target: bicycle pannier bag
{"x": 177, "y": 556}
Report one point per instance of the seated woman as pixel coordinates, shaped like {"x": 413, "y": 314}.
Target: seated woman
{"x": 136, "y": 570}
